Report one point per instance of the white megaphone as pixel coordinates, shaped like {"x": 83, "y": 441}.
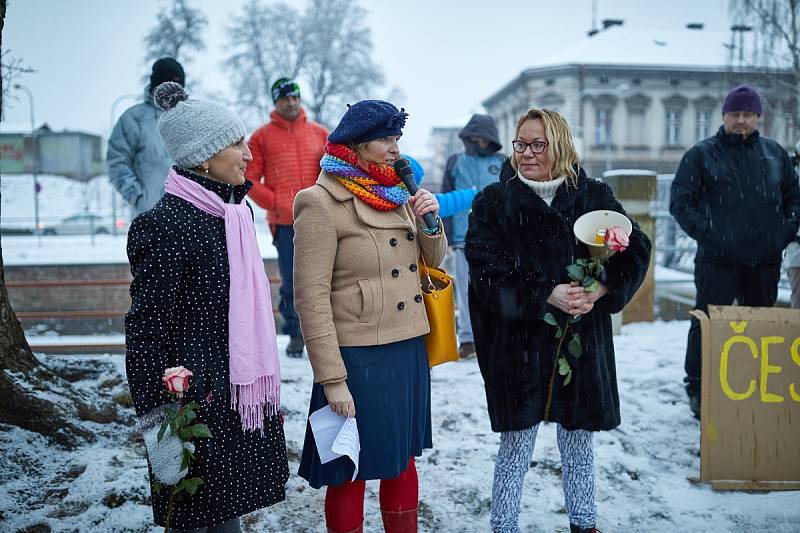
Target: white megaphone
{"x": 587, "y": 226}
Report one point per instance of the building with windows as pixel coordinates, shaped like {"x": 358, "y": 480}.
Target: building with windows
{"x": 640, "y": 98}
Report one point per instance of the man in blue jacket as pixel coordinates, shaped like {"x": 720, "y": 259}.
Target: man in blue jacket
{"x": 474, "y": 168}
{"x": 137, "y": 160}
{"x": 738, "y": 196}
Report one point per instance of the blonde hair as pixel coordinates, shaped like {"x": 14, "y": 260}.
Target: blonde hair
{"x": 560, "y": 148}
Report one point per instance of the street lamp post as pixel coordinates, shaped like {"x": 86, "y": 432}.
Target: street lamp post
{"x": 35, "y": 169}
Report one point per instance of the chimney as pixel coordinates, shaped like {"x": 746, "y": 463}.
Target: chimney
{"x": 607, "y": 23}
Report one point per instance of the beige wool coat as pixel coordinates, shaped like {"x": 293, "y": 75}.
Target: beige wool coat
{"x": 356, "y": 274}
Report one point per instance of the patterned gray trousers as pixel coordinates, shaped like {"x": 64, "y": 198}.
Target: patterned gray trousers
{"x": 513, "y": 460}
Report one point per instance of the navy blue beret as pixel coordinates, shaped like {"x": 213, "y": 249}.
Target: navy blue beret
{"x": 368, "y": 120}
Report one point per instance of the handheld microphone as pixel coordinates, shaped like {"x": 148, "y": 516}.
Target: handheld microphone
{"x": 406, "y": 175}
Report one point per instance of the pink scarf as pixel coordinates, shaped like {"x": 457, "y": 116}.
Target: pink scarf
{"x": 253, "y": 351}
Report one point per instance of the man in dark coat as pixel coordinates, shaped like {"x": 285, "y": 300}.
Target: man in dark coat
{"x": 738, "y": 196}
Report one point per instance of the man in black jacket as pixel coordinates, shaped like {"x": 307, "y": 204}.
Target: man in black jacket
{"x": 737, "y": 195}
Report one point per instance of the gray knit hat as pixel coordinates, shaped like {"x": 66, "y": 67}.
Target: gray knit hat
{"x": 194, "y": 130}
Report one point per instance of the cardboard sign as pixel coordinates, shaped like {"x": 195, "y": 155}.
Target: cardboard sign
{"x": 750, "y": 411}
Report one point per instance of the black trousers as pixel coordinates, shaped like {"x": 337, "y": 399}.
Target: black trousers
{"x": 720, "y": 284}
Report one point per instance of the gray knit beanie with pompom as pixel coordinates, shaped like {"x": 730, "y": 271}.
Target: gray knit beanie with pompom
{"x": 194, "y": 130}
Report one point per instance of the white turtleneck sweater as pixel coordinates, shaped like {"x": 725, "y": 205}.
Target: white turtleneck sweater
{"x": 545, "y": 189}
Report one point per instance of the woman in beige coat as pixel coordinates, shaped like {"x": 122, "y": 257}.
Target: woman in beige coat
{"x": 358, "y": 238}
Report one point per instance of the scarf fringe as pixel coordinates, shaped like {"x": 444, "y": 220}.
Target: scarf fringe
{"x": 253, "y": 400}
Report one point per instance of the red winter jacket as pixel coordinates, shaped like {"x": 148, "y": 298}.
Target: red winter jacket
{"x": 285, "y": 160}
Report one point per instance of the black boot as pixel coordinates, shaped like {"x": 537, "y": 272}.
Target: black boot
{"x": 576, "y": 529}
{"x": 693, "y": 391}
{"x": 295, "y": 348}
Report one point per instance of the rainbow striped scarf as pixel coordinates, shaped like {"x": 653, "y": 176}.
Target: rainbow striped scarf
{"x": 376, "y": 185}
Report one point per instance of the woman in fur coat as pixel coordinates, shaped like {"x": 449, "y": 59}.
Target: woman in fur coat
{"x": 518, "y": 245}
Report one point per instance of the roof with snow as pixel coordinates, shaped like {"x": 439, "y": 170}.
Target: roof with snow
{"x": 684, "y": 49}
{"x": 619, "y": 45}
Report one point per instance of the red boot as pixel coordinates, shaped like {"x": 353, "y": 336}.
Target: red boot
{"x": 359, "y": 529}
{"x": 400, "y": 522}
{"x": 344, "y": 507}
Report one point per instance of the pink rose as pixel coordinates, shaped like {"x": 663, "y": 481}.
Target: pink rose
{"x": 616, "y": 239}
{"x": 176, "y": 380}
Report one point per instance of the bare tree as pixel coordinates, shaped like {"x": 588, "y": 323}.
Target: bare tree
{"x": 327, "y": 47}
{"x": 339, "y": 67}
{"x": 266, "y": 43}
{"x": 179, "y": 29}
{"x": 11, "y": 67}
{"x": 31, "y": 395}
{"x": 777, "y": 36}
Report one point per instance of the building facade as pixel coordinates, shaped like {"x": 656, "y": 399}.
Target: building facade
{"x": 631, "y": 114}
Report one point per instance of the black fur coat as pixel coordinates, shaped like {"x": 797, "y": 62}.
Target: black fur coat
{"x": 518, "y": 248}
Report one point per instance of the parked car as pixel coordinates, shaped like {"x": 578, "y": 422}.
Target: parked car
{"x": 84, "y": 224}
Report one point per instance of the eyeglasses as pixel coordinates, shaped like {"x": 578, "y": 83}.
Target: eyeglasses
{"x": 537, "y": 147}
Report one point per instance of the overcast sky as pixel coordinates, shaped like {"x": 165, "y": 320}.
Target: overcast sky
{"x": 446, "y": 56}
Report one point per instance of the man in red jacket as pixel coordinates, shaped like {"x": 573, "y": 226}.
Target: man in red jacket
{"x": 286, "y": 153}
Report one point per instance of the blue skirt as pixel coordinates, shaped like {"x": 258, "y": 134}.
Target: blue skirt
{"x": 391, "y": 390}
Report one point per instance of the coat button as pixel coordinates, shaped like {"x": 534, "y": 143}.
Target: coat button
{"x": 401, "y": 305}
{"x": 412, "y": 267}
{"x": 410, "y": 236}
{"x": 392, "y": 242}
{"x": 395, "y": 272}
{"x": 418, "y": 298}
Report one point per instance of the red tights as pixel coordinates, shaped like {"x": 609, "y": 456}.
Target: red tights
{"x": 344, "y": 504}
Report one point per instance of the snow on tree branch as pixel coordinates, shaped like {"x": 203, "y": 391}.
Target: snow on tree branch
{"x": 11, "y": 68}
{"x": 328, "y": 48}
{"x": 178, "y": 30}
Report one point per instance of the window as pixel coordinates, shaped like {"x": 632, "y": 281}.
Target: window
{"x": 636, "y": 136}
{"x": 703, "y": 125}
{"x": 603, "y": 127}
{"x": 552, "y": 101}
{"x": 673, "y": 127}
{"x": 704, "y": 111}
{"x": 636, "y": 127}
{"x": 673, "y": 114}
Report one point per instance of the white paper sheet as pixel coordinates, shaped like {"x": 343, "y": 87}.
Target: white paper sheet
{"x": 335, "y": 436}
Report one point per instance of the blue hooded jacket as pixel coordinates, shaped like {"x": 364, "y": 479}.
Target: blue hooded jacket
{"x": 474, "y": 169}
{"x": 451, "y": 202}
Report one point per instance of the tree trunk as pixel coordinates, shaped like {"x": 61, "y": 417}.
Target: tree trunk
{"x": 15, "y": 354}
{"x": 22, "y": 375}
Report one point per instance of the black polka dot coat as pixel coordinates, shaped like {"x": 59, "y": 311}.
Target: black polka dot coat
{"x": 179, "y": 316}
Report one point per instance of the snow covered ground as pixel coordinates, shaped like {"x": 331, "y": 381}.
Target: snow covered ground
{"x": 85, "y": 249}
{"x": 642, "y": 467}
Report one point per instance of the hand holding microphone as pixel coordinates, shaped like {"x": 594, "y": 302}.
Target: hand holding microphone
{"x": 424, "y": 203}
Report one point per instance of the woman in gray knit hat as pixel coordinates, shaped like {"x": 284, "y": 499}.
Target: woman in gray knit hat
{"x": 200, "y": 300}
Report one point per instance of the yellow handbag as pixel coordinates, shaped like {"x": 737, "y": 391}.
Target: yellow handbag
{"x": 437, "y": 293}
